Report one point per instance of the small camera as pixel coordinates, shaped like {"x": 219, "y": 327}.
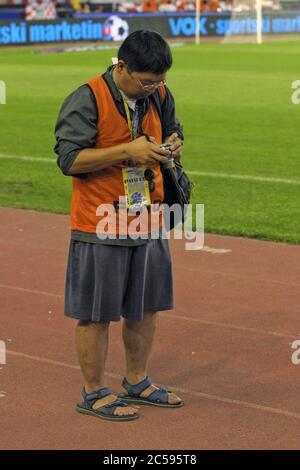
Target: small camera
{"x": 170, "y": 162}
{"x": 166, "y": 146}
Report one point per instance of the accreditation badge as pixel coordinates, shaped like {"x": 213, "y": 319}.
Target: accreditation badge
{"x": 136, "y": 187}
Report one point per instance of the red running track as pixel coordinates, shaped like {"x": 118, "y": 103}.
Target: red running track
{"x": 226, "y": 348}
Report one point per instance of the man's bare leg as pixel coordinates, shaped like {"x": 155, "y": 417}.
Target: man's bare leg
{"x": 138, "y": 340}
{"x": 92, "y": 346}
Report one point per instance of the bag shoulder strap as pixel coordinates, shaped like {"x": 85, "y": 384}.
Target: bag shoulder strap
{"x": 162, "y": 93}
{"x": 158, "y": 100}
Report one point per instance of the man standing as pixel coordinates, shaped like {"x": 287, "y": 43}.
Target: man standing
{"x": 109, "y": 133}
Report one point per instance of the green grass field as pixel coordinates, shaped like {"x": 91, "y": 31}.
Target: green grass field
{"x": 234, "y": 102}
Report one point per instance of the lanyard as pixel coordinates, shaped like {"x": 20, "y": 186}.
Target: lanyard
{"x": 129, "y": 121}
{"x": 133, "y": 124}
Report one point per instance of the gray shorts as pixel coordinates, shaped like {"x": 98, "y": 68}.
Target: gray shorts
{"x": 104, "y": 282}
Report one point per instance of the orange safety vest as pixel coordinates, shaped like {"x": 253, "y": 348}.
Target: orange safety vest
{"x": 106, "y": 186}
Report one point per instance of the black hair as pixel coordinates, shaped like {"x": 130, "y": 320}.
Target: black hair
{"x": 146, "y": 51}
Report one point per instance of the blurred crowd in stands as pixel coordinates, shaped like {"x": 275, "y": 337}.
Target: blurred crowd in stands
{"x": 51, "y": 9}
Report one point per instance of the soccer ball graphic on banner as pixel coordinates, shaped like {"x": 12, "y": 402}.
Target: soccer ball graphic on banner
{"x": 115, "y": 28}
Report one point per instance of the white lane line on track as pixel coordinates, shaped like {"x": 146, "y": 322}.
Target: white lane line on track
{"x": 178, "y": 317}
{"x": 229, "y": 325}
{"x": 31, "y": 291}
{"x": 231, "y": 401}
{"x": 218, "y": 251}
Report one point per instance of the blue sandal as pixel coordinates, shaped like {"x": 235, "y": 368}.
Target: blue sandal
{"x": 105, "y": 411}
{"x": 157, "y": 398}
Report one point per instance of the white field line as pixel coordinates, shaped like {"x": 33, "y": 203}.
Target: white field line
{"x": 26, "y": 158}
{"x": 261, "y": 179}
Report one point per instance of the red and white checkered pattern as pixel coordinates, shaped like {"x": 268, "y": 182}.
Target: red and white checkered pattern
{"x": 40, "y": 10}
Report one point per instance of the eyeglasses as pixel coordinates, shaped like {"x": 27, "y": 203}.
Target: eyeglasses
{"x": 147, "y": 87}
{"x": 153, "y": 86}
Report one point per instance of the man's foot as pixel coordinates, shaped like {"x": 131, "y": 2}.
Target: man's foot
{"x": 119, "y": 411}
{"x": 103, "y": 404}
{"x": 146, "y": 393}
{"x": 172, "y": 398}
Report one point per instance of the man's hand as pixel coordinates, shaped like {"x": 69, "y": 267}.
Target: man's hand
{"x": 177, "y": 145}
{"x": 143, "y": 152}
